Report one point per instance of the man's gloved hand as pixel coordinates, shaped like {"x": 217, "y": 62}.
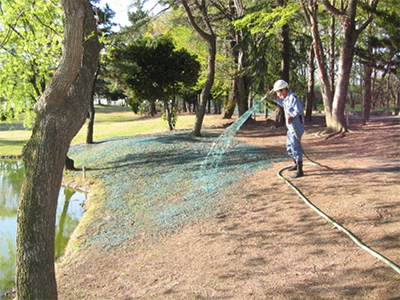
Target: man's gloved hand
{"x": 289, "y": 119}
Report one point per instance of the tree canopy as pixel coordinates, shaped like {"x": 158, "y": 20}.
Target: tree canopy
{"x": 31, "y": 37}
{"x": 154, "y": 70}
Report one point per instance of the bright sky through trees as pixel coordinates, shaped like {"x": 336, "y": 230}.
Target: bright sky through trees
{"x": 120, "y": 8}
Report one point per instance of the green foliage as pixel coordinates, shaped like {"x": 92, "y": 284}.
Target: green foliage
{"x": 174, "y": 117}
{"x": 153, "y": 69}
{"x": 134, "y": 104}
{"x": 31, "y": 36}
{"x": 268, "y": 22}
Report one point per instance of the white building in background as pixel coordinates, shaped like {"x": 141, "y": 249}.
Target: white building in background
{"x": 106, "y": 102}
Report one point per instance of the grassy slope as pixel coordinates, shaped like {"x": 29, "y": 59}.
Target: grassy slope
{"x": 109, "y": 122}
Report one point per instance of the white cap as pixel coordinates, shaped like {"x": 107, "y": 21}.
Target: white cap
{"x": 279, "y": 85}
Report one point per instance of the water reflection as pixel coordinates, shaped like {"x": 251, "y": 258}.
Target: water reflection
{"x": 69, "y": 212}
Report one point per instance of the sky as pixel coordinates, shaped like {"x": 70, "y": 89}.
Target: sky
{"x": 121, "y": 9}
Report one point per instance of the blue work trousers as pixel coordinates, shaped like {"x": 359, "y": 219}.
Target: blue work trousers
{"x": 293, "y": 145}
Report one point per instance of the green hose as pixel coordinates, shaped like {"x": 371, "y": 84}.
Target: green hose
{"x": 340, "y": 227}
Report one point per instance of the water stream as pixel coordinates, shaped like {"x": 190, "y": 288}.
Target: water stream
{"x": 69, "y": 212}
{"x": 222, "y": 143}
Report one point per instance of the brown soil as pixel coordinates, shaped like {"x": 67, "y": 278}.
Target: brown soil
{"x": 269, "y": 244}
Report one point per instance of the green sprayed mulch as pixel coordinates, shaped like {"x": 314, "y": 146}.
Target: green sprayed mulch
{"x": 156, "y": 183}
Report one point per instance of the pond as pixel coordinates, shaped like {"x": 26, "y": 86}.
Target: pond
{"x": 69, "y": 212}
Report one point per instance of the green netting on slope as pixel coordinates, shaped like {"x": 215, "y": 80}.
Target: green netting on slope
{"x": 156, "y": 183}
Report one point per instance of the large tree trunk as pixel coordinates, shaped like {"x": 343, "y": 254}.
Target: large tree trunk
{"x": 335, "y": 119}
{"x": 205, "y": 93}
{"x": 61, "y": 112}
{"x": 230, "y": 102}
{"x": 338, "y": 122}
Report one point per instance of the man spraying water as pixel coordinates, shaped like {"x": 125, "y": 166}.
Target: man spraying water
{"x": 294, "y": 115}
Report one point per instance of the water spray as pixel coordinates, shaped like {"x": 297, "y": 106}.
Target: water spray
{"x": 222, "y": 143}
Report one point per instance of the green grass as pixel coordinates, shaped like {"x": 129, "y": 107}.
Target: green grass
{"x": 109, "y": 122}
{"x": 12, "y": 138}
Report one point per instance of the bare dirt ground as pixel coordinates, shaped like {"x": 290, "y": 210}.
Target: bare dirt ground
{"x": 268, "y": 244}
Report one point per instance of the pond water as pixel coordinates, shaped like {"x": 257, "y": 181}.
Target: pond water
{"x": 69, "y": 212}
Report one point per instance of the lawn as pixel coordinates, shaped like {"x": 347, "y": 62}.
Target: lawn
{"x": 110, "y": 121}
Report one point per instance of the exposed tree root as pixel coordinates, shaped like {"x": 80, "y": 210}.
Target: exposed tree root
{"x": 337, "y": 134}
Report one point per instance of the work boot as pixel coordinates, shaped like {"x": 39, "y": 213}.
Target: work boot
{"x": 299, "y": 172}
{"x": 294, "y": 167}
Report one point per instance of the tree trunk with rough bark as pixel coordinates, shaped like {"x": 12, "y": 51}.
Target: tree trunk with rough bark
{"x": 326, "y": 89}
{"x": 338, "y": 122}
{"x": 206, "y": 91}
{"x": 230, "y": 101}
{"x": 61, "y": 112}
{"x": 335, "y": 101}
{"x": 210, "y": 37}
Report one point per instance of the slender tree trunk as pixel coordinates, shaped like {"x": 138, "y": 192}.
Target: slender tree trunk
{"x": 61, "y": 112}
{"x": 91, "y": 113}
{"x": 326, "y": 89}
{"x": 285, "y": 64}
{"x": 184, "y": 106}
{"x": 240, "y": 88}
{"x": 310, "y": 85}
{"x": 153, "y": 108}
{"x": 90, "y": 127}
{"x": 234, "y": 94}
{"x": 332, "y": 56}
{"x": 210, "y": 38}
{"x": 368, "y": 93}
{"x": 168, "y": 114}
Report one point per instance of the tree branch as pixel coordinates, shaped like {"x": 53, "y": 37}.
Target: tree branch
{"x": 332, "y": 9}
{"x": 192, "y": 21}
{"x": 373, "y": 4}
